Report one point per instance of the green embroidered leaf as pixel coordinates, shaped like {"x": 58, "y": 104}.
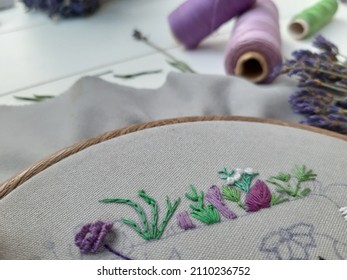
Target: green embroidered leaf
{"x": 304, "y": 175}
{"x": 284, "y": 177}
{"x": 231, "y": 194}
{"x": 277, "y": 199}
{"x": 305, "y": 192}
{"x": 193, "y": 196}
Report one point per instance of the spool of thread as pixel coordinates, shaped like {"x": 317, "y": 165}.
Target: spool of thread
{"x": 196, "y": 19}
{"x": 254, "y": 48}
{"x": 312, "y": 19}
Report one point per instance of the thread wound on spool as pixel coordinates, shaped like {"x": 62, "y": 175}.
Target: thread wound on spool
{"x": 299, "y": 29}
{"x": 312, "y": 19}
{"x": 252, "y": 66}
{"x": 254, "y": 48}
{"x": 194, "y": 20}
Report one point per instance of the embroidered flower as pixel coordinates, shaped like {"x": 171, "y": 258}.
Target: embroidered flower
{"x": 258, "y": 197}
{"x": 291, "y": 243}
{"x": 214, "y": 197}
{"x": 249, "y": 171}
{"x": 91, "y": 235}
{"x": 184, "y": 221}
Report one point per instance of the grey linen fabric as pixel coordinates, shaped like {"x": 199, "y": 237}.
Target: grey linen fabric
{"x": 40, "y": 218}
{"x": 93, "y": 106}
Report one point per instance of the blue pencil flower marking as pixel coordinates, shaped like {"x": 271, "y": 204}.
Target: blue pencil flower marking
{"x": 291, "y": 243}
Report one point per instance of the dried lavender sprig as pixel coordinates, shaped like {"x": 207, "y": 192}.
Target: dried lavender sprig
{"x": 182, "y": 66}
{"x": 318, "y": 83}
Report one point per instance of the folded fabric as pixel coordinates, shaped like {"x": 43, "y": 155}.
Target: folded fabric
{"x": 93, "y": 106}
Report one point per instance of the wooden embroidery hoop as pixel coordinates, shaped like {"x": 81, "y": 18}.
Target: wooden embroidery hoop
{"x": 14, "y": 182}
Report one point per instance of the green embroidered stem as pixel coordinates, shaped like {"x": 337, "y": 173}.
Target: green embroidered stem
{"x": 206, "y": 214}
{"x": 146, "y": 233}
{"x": 245, "y": 183}
{"x": 225, "y": 174}
{"x": 233, "y": 194}
{"x": 139, "y": 210}
{"x": 170, "y": 211}
{"x": 154, "y": 207}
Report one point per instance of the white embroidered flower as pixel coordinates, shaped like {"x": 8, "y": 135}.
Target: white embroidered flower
{"x": 249, "y": 171}
{"x": 237, "y": 177}
{"x": 230, "y": 180}
{"x": 239, "y": 170}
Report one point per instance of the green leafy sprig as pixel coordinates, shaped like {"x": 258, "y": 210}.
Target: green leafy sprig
{"x": 206, "y": 214}
{"x": 281, "y": 181}
{"x": 233, "y": 194}
{"x": 145, "y": 230}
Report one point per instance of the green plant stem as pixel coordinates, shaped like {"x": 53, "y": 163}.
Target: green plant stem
{"x": 130, "y": 76}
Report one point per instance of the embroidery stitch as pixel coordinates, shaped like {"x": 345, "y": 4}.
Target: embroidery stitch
{"x": 184, "y": 221}
{"x": 343, "y": 212}
{"x": 301, "y": 174}
{"x": 214, "y": 197}
{"x": 146, "y": 233}
{"x": 91, "y": 236}
{"x": 206, "y": 214}
{"x": 238, "y": 177}
{"x": 233, "y": 194}
{"x": 259, "y": 197}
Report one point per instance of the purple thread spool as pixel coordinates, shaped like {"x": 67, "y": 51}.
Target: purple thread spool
{"x": 196, "y": 19}
{"x": 254, "y": 49}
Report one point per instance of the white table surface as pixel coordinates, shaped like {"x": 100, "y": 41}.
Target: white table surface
{"x": 42, "y": 56}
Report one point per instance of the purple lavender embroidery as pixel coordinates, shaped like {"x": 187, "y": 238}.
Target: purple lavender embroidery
{"x": 90, "y": 237}
{"x": 258, "y": 197}
{"x": 184, "y": 221}
{"x": 214, "y": 197}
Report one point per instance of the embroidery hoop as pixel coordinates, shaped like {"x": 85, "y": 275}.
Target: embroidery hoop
{"x": 25, "y": 175}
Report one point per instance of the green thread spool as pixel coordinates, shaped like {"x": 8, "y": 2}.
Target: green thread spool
{"x": 312, "y": 19}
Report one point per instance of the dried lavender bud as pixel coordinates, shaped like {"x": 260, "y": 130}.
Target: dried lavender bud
{"x": 325, "y": 45}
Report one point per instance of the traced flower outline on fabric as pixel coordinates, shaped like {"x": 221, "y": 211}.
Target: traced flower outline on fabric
{"x": 291, "y": 243}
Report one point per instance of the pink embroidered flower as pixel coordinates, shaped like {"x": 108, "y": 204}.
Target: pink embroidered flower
{"x": 258, "y": 197}
{"x": 91, "y": 235}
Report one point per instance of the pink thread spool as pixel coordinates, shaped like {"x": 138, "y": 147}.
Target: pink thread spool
{"x": 196, "y": 19}
{"x": 254, "y": 48}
